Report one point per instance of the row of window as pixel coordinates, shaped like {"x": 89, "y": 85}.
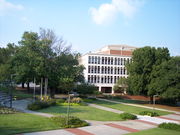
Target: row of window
{"x": 102, "y": 79}
{"x": 108, "y": 60}
{"x": 107, "y": 70}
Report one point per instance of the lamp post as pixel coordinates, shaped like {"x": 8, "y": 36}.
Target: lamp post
{"x": 11, "y": 86}
{"x": 69, "y": 97}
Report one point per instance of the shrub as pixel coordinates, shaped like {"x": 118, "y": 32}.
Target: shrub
{"x": 6, "y": 110}
{"x": 171, "y": 126}
{"x": 149, "y": 113}
{"x": 75, "y": 100}
{"x": 60, "y": 100}
{"x": 51, "y": 102}
{"x": 38, "y": 105}
{"x": 73, "y": 122}
{"x": 128, "y": 116}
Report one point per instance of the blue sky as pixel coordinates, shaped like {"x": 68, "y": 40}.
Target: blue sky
{"x": 91, "y": 24}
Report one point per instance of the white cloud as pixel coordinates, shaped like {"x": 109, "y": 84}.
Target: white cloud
{"x": 7, "y": 6}
{"x": 107, "y": 13}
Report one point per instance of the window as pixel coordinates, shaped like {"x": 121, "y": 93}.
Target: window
{"x": 105, "y": 60}
{"x": 108, "y": 60}
{"x": 108, "y": 70}
{"x": 105, "y": 70}
{"x": 105, "y": 79}
{"x": 98, "y": 60}
{"x": 102, "y": 79}
{"x": 92, "y": 69}
{"x": 89, "y": 59}
{"x": 95, "y": 60}
{"x": 115, "y": 61}
{"x": 108, "y": 79}
{"x": 88, "y": 69}
{"x": 111, "y": 61}
{"x": 115, "y": 70}
{"x": 97, "y": 79}
{"x": 121, "y": 71}
{"x": 119, "y": 61}
{"x": 111, "y": 70}
{"x": 102, "y": 70}
{"x": 98, "y": 69}
{"x": 111, "y": 79}
{"x": 118, "y": 72}
{"x": 95, "y": 69}
{"x": 124, "y": 71}
{"x": 92, "y": 60}
{"x": 89, "y": 78}
{"x": 124, "y": 61}
{"x": 102, "y": 60}
{"x": 114, "y": 79}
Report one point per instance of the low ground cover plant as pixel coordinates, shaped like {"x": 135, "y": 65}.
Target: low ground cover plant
{"x": 73, "y": 122}
{"x": 128, "y": 116}
{"x": 7, "y": 110}
{"x": 149, "y": 113}
{"x": 171, "y": 126}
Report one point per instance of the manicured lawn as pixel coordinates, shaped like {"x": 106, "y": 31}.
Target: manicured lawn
{"x": 126, "y": 108}
{"x": 83, "y": 112}
{"x": 156, "y": 131}
{"x": 21, "y": 123}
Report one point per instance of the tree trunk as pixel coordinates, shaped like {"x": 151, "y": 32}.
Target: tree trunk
{"x": 151, "y": 99}
{"x": 28, "y": 88}
{"x": 46, "y": 86}
{"x": 22, "y": 85}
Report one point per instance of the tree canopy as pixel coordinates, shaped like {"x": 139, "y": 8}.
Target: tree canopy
{"x": 42, "y": 55}
{"x": 153, "y": 72}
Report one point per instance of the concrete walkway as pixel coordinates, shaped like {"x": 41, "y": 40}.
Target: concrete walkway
{"x": 138, "y": 105}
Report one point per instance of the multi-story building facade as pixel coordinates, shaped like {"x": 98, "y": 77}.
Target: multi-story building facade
{"x": 104, "y": 67}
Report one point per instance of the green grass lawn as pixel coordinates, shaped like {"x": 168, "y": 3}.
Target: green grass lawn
{"x": 21, "y": 123}
{"x": 83, "y": 112}
{"x": 156, "y": 131}
{"x": 126, "y": 108}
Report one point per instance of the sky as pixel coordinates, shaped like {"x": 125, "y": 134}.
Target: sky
{"x": 91, "y": 24}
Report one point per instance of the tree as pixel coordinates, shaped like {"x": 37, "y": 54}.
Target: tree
{"x": 6, "y": 55}
{"x": 145, "y": 60}
{"x": 120, "y": 86}
{"x": 86, "y": 88}
{"x": 166, "y": 79}
{"x": 46, "y": 57}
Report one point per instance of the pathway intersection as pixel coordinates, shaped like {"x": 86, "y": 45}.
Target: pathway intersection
{"x": 103, "y": 128}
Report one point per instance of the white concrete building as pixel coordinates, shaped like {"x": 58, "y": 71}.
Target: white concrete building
{"x": 105, "y": 66}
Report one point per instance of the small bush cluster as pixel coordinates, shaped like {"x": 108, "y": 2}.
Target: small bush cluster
{"x": 149, "y": 113}
{"x": 128, "y": 116}
{"x": 171, "y": 126}
{"x": 41, "y": 104}
{"x": 73, "y": 122}
{"x": 60, "y": 100}
{"x": 6, "y": 110}
{"x": 75, "y": 100}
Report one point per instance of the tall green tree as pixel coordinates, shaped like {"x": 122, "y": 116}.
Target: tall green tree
{"x": 166, "y": 79}
{"x": 144, "y": 62}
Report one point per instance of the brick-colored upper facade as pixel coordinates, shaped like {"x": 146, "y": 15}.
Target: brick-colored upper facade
{"x": 123, "y": 50}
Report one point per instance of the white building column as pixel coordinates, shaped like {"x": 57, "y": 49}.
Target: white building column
{"x": 112, "y": 91}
